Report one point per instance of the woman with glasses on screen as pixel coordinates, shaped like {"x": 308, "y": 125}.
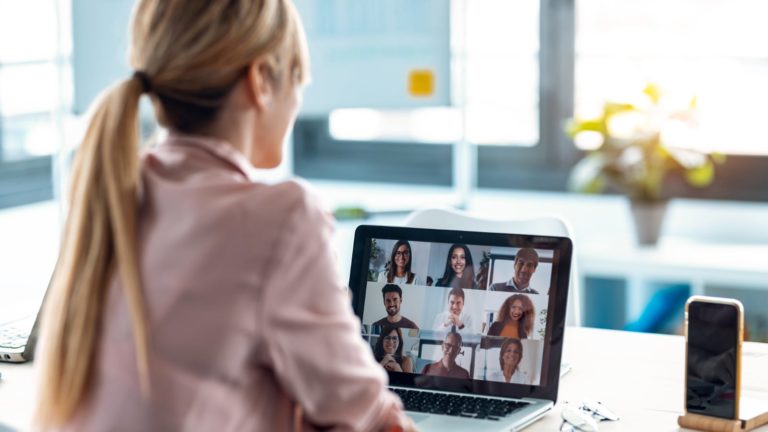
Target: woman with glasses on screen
{"x": 389, "y": 351}
{"x": 186, "y": 292}
{"x": 398, "y": 269}
{"x": 459, "y": 269}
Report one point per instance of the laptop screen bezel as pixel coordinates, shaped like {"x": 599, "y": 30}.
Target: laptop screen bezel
{"x": 555, "y": 322}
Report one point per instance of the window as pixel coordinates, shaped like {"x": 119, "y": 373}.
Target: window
{"x": 498, "y": 70}
{"x": 710, "y": 49}
{"x": 34, "y": 93}
{"x": 494, "y": 49}
{"x": 521, "y": 68}
{"x": 34, "y": 96}
{"x": 716, "y": 55}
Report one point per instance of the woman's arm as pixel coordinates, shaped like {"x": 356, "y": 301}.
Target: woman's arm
{"x": 311, "y": 337}
{"x": 407, "y": 364}
{"x": 495, "y": 329}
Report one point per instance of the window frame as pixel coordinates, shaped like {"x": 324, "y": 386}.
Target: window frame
{"x": 26, "y": 181}
{"x": 544, "y": 167}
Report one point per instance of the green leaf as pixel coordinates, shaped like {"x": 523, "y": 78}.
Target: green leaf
{"x": 653, "y": 91}
{"x": 587, "y": 175}
{"x": 718, "y": 158}
{"x": 573, "y": 127}
{"x": 701, "y": 176}
{"x": 611, "y": 108}
{"x": 350, "y": 213}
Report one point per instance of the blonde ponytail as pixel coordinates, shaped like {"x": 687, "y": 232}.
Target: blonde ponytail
{"x": 99, "y": 238}
{"x": 191, "y": 55}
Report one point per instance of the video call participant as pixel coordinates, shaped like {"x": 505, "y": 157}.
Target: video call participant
{"x": 515, "y": 318}
{"x": 447, "y": 366}
{"x": 510, "y": 355}
{"x": 526, "y": 261}
{"x": 454, "y": 318}
{"x": 459, "y": 269}
{"x": 389, "y": 351}
{"x": 399, "y": 266}
{"x": 225, "y": 78}
{"x": 393, "y": 299}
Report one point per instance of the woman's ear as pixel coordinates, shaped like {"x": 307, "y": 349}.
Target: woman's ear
{"x": 259, "y": 83}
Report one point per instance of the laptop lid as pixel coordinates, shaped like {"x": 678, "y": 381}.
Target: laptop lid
{"x": 483, "y": 303}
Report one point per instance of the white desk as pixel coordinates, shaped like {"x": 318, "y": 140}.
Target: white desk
{"x": 637, "y": 375}
{"x": 640, "y": 376}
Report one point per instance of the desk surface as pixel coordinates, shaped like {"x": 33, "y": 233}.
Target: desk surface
{"x": 639, "y": 376}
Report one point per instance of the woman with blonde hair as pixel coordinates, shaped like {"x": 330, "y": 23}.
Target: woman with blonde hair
{"x": 186, "y": 292}
{"x": 510, "y": 356}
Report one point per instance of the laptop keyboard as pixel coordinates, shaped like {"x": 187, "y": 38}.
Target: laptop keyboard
{"x": 457, "y": 405}
{"x": 13, "y": 337}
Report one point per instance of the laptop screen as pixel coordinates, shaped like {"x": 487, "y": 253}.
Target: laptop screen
{"x": 463, "y": 311}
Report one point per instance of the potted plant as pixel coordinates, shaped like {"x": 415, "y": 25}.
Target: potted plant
{"x": 633, "y": 146}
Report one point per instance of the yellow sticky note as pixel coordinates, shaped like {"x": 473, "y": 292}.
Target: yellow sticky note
{"x": 421, "y": 82}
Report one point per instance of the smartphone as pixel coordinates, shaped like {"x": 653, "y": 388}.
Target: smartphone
{"x": 713, "y": 333}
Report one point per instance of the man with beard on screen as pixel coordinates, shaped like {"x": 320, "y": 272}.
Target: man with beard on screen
{"x": 526, "y": 261}
{"x": 393, "y": 299}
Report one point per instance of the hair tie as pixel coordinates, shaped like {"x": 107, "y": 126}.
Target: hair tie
{"x": 146, "y": 84}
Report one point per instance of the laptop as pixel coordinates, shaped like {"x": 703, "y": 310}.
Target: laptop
{"x": 18, "y": 337}
{"x": 469, "y": 340}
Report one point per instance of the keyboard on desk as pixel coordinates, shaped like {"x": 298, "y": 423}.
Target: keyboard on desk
{"x": 457, "y": 405}
{"x": 13, "y": 337}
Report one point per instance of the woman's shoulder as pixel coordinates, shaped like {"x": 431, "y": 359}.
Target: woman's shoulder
{"x": 522, "y": 376}
{"x": 292, "y": 199}
{"x": 495, "y": 375}
{"x": 273, "y": 214}
{"x": 382, "y": 277}
{"x": 296, "y": 192}
{"x": 495, "y": 329}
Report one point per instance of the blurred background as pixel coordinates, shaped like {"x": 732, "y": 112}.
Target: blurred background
{"x": 503, "y": 108}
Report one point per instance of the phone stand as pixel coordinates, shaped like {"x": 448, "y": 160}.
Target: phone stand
{"x": 714, "y": 424}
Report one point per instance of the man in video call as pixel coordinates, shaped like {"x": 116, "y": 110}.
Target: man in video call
{"x": 393, "y": 298}
{"x": 447, "y": 366}
{"x": 526, "y": 261}
{"x": 454, "y": 318}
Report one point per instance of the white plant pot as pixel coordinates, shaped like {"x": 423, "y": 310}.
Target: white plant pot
{"x": 648, "y": 218}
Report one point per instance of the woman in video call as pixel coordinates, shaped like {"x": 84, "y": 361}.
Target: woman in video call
{"x": 510, "y": 355}
{"x": 389, "y": 351}
{"x": 399, "y": 267}
{"x": 515, "y": 318}
{"x": 459, "y": 269}
{"x": 186, "y": 291}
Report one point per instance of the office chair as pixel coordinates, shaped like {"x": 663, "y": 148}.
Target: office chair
{"x": 439, "y": 218}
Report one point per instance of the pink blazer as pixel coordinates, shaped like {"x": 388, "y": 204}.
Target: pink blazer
{"x": 250, "y": 328}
